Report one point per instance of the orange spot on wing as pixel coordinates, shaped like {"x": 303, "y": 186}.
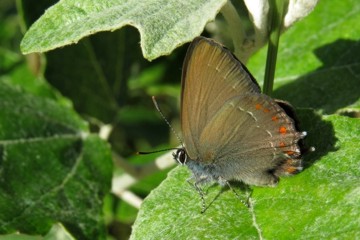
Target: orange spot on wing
{"x": 282, "y": 130}
{"x": 291, "y": 170}
{"x": 290, "y": 166}
{"x": 258, "y": 106}
{"x": 289, "y": 152}
{"x": 274, "y": 118}
{"x": 282, "y": 144}
{"x": 266, "y": 110}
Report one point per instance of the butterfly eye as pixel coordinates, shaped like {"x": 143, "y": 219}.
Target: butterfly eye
{"x": 180, "y": 156}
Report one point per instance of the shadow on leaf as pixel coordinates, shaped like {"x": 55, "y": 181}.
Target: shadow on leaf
{"x": 240, "y": 190}
{"x": 320, "y": 134}
{"x": 334, "y": 85}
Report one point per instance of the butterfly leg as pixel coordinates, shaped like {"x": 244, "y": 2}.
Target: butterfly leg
{"x": 200, "y": 191}
{"x": 248, "y": 191}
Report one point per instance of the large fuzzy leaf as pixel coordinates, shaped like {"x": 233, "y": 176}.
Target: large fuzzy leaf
{"x": 321, "y": 202}
{"x": 163, "y": 24}
{"x": 51, "y": 168}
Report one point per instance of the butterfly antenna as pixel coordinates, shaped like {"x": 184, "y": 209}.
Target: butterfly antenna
{"x": 156, "y": 151}
{"x": 167, "y": 122}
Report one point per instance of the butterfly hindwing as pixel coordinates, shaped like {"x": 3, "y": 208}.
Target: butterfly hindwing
{"x": 248, "y": 139}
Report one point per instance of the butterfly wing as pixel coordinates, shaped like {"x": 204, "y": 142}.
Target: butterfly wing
{"x": 229, "y": 127}
{"x": 211, "y": 76}
{"x": 251, "y": 139}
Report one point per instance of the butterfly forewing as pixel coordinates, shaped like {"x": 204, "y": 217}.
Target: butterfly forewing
{"x": 211, "y": 76}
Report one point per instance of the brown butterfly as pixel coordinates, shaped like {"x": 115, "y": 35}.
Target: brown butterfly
{"x": 231, "y": 131}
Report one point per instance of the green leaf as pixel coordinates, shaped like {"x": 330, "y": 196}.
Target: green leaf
{"x": 95, "y": 80}
{"x": 321, "y": 202}
{"x": 319, "y": 59}
{"x": 51, "y": 168}
{"x": 16, "y": 236}
{"x": 30, "y": 12}
{"x": 163, "y": 25}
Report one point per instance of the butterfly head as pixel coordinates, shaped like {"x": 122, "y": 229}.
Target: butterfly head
{"x": 181, "y": 156}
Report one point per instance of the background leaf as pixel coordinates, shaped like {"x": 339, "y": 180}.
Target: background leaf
{"x": 51, "y": 168}
{"x": 163, "y": 25}
{"x": 107, "y": 70}
{"x": 319, "y": 59}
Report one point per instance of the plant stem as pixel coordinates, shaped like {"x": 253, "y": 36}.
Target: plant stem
{"x": 276, "y": 14}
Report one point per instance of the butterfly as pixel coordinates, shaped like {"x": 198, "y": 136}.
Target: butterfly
{"x": 231, "y": 131}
